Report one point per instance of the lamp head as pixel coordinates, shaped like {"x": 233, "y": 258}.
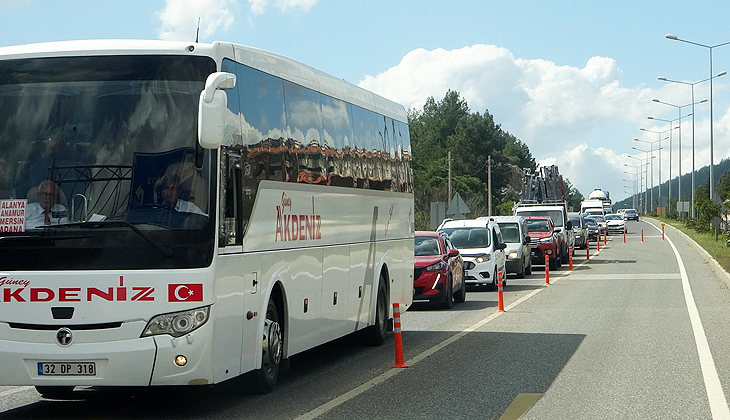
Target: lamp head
{"x": 656, "y": 100}
{"x": 649, "y": 118}
{"x": 672, "y": 37}
{"x": 722, "y": 73}
{"x": 662, "y": 78}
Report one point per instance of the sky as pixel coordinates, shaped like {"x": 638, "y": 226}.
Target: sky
{"x": 574, "y": 80}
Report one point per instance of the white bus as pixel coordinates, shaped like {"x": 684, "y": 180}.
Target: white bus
{"x": 175, "y": 213}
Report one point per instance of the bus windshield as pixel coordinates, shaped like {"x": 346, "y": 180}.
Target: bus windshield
{"x": 99, "y": 163}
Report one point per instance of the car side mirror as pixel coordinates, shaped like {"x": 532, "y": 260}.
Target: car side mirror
{"x": 569, "y": 225}
{"x": 501, "y": 245}
{"x": 212, "y": 108}
{"x": 453, "y": 252}
{"x": 526, "y": 240}
{"x": 556, "y": 230}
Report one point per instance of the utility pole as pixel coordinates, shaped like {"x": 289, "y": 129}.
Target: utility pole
{"x": 448, "y": 200}
{"x": 489, "y": 182}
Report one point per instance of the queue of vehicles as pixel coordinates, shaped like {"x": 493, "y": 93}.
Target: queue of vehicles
{"x": 463, "y": 254}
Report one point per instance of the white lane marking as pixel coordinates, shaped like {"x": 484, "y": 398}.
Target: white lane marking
{"x": 715, "y": 394}
{"x": 428, "y": 352}
{"x": 13, "y": 391}
{"x": 632, "y": 276}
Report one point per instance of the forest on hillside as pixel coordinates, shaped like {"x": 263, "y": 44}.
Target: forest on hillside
{"x": 471, "y": 137}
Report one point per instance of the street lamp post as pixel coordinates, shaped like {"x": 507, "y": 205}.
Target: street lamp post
{"x": 651, "y": 145}
{"x": 679, "y": 110}
{"x": 679, "y": 127}
{"x": 710, "y": 47}
{"x": 651, "y": 176}
{"x": 634, "y": 188}
{"x": 640, "y": 173}
{"x": 693, "y": 103}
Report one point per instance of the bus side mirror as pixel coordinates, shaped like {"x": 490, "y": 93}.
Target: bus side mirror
{"x": 212, "y": 108}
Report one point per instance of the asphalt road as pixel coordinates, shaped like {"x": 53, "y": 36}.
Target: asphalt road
{"x": 614, "y": 338}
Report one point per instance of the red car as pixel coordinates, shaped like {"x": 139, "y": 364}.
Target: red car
{"x": 543, "y": 241}
{"x": 438, "y": 273}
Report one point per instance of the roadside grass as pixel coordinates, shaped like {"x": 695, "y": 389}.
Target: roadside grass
{"x": 706, "y": 240}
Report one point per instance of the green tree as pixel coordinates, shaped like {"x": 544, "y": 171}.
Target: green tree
{"x": 448, "y": 125}
{"x": 723, "y": 186}
{"x": 573, "y": 197}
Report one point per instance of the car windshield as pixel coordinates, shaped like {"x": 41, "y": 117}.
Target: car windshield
{"x": 590, "y": 222}
{"x": 510, "y": 232}
{"x": 575, "y": 222}
{"x": 614, "y": 217}
{"x": 537, "y": 225}
{"x": 426, "y": 245}
{"x": 469, "y": 237}
{"x": 599, "y": 219}
{"x": 556, "y": 216}
{"x": 630, "y": 211}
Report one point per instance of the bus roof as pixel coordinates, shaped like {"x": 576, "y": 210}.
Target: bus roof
{"x": 262, "y": 60}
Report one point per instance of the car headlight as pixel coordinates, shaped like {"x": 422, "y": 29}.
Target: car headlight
{"x": 483, "y": 258}
{"x": 512, "y": 255}
{"x": 546, "y": 240}
{"x": 177, "y": 324}
{"x": 436, "y": 267}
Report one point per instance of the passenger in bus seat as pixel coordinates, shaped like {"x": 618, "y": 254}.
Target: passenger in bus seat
{"x": 45, "y": 206}
{"x": 171, "y": 192}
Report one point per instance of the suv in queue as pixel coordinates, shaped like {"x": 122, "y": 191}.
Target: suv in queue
{"x": 482, "y": 248}
{"x": 514, "y": 233}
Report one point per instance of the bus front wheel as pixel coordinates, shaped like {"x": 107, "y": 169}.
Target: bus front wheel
{"x": 273, "y": 346}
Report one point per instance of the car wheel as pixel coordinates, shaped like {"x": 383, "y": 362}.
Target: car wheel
{"x": 493, "y": 285}
{"x": 558, "y": 261}
{"x": 448, "y": 302}
{"x": 528, "y": 270}
{"x": 460, "y": 296}
{"x": 521, "y": 273}
{"x": 553, "y": 264}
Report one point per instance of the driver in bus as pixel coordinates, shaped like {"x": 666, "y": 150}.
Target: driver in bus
{"x": 47, "y": 210}
{"x": 171, "y": 196}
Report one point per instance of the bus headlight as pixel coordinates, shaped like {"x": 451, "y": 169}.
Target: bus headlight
{"x": 177, "y": 324}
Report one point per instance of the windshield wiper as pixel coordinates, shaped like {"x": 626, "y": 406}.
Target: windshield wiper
{"x": 92, "y": 225}
{"x": 32, "y": 238}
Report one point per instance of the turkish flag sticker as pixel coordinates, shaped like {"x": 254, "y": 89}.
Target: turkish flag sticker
{"x": 184, "y": 292}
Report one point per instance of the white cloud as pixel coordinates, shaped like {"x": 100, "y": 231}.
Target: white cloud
{"x": 179, "y": 18}
{"x": 574, "y": 117}
{"x": 259, "y": 6}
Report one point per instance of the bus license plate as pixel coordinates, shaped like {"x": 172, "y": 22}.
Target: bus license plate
{"x": 67, "y": 368}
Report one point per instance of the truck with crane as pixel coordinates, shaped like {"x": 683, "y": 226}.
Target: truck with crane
{"x": 542, "y": 195}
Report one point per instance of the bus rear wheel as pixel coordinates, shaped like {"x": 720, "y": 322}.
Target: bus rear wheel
{"x": 272, "y": 350}
{"x": 375, "y": 334}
